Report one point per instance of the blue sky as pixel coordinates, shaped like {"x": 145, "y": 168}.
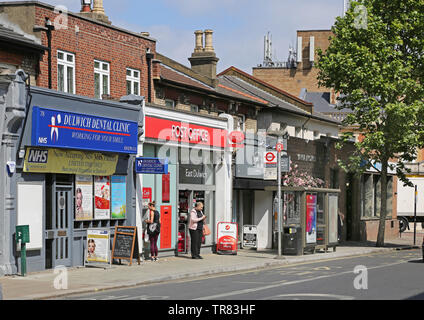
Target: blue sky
{"x": 239, "y": 25}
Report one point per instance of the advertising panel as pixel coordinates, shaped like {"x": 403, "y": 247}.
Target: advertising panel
{"x": 250, "y": 236}
{"x": 102, "y": 197}
{"x": 227, "y": 238}
{"x": 119, "y": 197}
{"x": 311, "y": 218}
{"x": 60, "y": 129}
{"x": 83, "y": 198}
{"x": 98, "y": 246}
{"x": 38, "y": 160}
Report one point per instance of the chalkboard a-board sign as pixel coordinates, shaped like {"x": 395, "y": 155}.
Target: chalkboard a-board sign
{"x": 125, "y": 244}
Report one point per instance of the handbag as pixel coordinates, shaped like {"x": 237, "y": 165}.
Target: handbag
{"x": 154, "y": 228}
{"x": 206, "y": 230}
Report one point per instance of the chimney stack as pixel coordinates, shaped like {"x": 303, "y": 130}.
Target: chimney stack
{"x": 98, "y": 7}
{"x": 208, "y": 41}
{"x": 199, "y": 41}
{"x": 86, "y": 6}
{"x": 203, "y": 60}
{"x": 98, "y": 12}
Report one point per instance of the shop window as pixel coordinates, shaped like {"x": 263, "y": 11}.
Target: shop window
{"x": 65, "y": 72}
{"x": 101, "y": 79}
{"x": 133, "y": 82}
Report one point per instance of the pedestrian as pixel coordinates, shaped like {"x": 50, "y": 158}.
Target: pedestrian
{"x": 153, "y": 230}
{"x": 197, "y": 219}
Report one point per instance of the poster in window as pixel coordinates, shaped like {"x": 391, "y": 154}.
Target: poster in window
{"x": 311, "y": 218}
{"x": 119, "y": 199}
{"x": 83, "y": 198}
{"x": 102, "y": 197}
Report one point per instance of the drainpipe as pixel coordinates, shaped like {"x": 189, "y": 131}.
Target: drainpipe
{"x": 149, "y": 57}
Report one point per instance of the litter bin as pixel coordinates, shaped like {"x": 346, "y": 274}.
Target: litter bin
{"x": 292, "y": 241}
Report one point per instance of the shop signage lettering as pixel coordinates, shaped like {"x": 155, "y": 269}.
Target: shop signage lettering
{"x": 306, "y": 157}
{"x": 195, "y": 174}
{"x": 193, "y": 135}
{"x": 38, "y": 156}
{"x": 168, "y": 130}
{"x": 59, "y": 129}
{"x": 69, "y": 162}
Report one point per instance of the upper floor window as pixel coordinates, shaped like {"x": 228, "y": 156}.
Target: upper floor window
{"x": 194, "y": 108}
{"x": 170, "y": 103}
{"x": 298, "y": 132}
{"x": 101, "y": 78}
{"x": 65, "y": 72}
{"x": 133, "y": 82}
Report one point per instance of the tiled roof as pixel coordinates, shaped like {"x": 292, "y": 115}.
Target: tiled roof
{"x": 232, "y": 70}
{"x": 321, "y": 102}
{"x": 170, "y": 74}
{"x": 272, "y": 101}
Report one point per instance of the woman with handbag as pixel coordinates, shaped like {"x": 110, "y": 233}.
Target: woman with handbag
{"x": 197, "y": 219}
{"x": 153, "y": 230}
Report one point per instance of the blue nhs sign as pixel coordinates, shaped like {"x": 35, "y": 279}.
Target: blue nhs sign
{"x": 151, "y": 166}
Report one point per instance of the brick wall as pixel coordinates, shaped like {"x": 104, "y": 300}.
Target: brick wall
{"x": 95, "y": 41}
{"x": 19, "y": 59}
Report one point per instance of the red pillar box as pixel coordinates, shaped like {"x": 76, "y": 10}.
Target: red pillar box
{"x": 227, "y": 238}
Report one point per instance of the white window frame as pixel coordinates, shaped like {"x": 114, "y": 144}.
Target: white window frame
{"x": 101, "y": 72}
{"x": 133, "y": 79}
{"x": 66, "y": 64}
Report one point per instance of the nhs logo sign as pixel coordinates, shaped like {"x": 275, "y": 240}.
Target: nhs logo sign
{"x": 38, "y": 156}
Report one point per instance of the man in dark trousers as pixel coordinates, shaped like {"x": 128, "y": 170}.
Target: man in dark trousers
{"x": 197, "y": 219}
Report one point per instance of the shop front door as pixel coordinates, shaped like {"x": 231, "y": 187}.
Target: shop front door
{"x": 61, "y": 227}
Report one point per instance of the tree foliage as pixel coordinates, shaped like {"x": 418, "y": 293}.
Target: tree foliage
{"x": 376, "y": 62}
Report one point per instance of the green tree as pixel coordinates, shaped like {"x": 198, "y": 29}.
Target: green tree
{"x": 376, "y": 62}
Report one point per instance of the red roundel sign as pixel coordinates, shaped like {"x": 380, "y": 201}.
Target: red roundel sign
{"x": 280, "y": 147}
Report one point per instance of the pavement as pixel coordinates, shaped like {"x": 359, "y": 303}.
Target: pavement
{"x": 52, "y": 284}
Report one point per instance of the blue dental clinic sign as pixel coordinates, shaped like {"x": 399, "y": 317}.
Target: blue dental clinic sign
{"x": 151, "y": 166}
{"x": 60, "y": 129}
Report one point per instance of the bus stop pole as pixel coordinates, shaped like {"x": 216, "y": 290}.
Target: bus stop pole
{"x": 415, "y": 216}
{"x": 279, "y": 202}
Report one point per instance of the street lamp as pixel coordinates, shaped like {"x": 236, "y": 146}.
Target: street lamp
{"x": 48, "y": 28}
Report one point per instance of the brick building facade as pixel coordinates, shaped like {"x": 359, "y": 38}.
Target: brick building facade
{"x": 83, "y": 43}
